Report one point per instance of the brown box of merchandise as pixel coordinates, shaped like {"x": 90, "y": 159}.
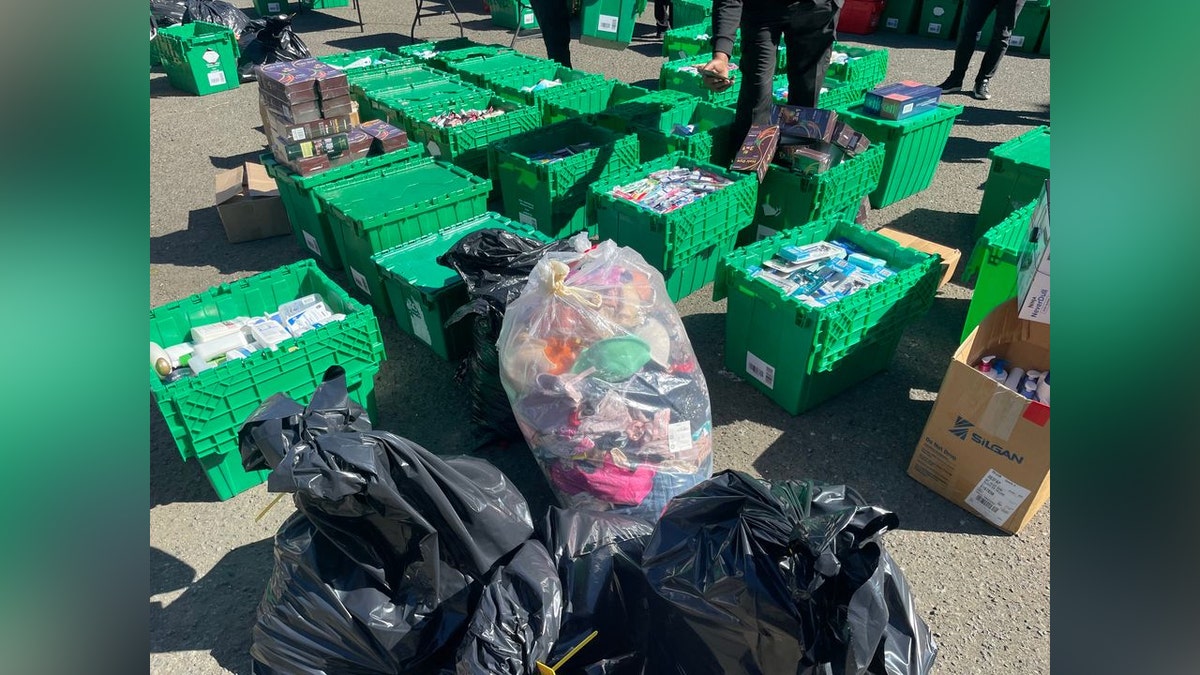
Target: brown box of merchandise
{"x": 385, "y": 137}
{"x": 757, "y": 151}
{"x": 797, "y": 123}
{"x": 846, "y": 138}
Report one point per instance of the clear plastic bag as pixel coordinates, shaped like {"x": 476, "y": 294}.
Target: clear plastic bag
{"x": 604, "y": 384}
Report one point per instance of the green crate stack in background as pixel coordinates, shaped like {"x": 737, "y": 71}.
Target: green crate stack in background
{"x": 305, "y": 212}
{"x": 205, "y": 412}
{"x": 513, "y": 14}
{"x": 787, "y": 199}
{"x": 552, "y": 196}
{"x": 686, "y": 244}
{"x": 609, "y": 23}
{"x": 939, "y": 19}
{"x": 438, "y": 53}
{"x": 994, "y": 259}
{"x": 386, "y": 207}
{"x": 425, "y": 294}
{"x": 1019, "y": 167}
{"x": 800, "y": 356}
{"x": 199, "y": 57}
{"x": 683, "y": 41}
{"x": 914, "y": 148}
{"x": 900, "y": 16}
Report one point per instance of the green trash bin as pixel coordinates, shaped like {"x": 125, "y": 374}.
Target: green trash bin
{"x": 199, "y": 57}
{"x": 513, "y": 14}
{"x": 900, "y": 16}
{"x": 1026, "y": 33}
{"x": 609, "y": 23}
{"x": 939, "y": 19}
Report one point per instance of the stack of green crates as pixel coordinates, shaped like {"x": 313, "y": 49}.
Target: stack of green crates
{"x": 366, "y": 88}
{"x": 656, "y": 125}
{"x": 305, "y": 212}
{"x": 995, "y": 259}
{"x": 691, "y": 12}
{"x": 580, "y": 92}
{"x": 466, "y": 144}
{"x": 199, "y": 57}
{"x": 900, "y": 16}
{"x": 482, "y": 70}
{"x": 939, "y": 19}
{"x": 914, "y": 148}
{"x": 787, "y": 199}
{"x": 513, "y": 14}
{"x": 551, "y": 196}
{"x": 205, "y": 412}
{"x": 425, "y": 294}
{"x": 1019, "y": 167}
{"x": 800, "y": 356}
{"x": 685, "y": 244}
{"x": 609, "y": 23}
{"x": 386, "y": 207}
{"x": 615, "y": 92}
{"x": 391, "y": 104}
{"x": 442, "y": 50}
{"x": 865, "y": 69}
{"x": 360, "y": 64}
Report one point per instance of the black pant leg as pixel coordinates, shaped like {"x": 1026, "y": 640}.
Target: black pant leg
{"x": 760, "y": 41}
{"x": 809, "y": 32}
{"x": 977, "y": 14}
{"x": 1007, "y": 12}
{"x": 554, "y": 18}
{"x": 664, "y": 11}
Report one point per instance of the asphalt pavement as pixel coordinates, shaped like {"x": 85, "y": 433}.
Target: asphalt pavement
{"x": 985, "y": 594}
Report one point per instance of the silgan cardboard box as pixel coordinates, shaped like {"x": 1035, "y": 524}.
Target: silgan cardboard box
{"x": 986, "y": 447}
{"x": 1033, "y": 266}
{"x": 249, "y": 205}
{"x": 950, "y": 256}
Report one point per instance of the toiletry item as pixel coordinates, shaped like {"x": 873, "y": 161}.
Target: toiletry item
{"x": 218, "y": 330}
{"x": 268, "y": 333}
{"x": 207, "y": 351}
{"x": 311, "y": 317}
{"x": 298, "y": 305}
{"x": 1028, "y": 389}
{"x": 179, "y": 354}
{"x": 1043, "y": 388}
{"x": 159, "y": 360}
{"x": 866, "y": 262}
{"x": 1015, "y": 375}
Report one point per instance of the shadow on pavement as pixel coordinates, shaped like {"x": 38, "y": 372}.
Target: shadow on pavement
{"x": 203, "y": 244}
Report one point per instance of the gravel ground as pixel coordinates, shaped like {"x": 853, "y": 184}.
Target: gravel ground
{"x": 986, "y": 595}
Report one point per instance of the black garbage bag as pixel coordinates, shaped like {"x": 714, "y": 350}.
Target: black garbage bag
{"x": 598, "y": 557}
{"x": 495, "y": 264}
{"x": 790, "y": 577}
{"x": 167, "y": 12}
{"x": 273, "y": 40}
{"x": 381, "y": 568}
{"x": 218, "y": 12}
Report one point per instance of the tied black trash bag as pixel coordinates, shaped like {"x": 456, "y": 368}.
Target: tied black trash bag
{"x": 273, "y": 40}
{"x": 167, "y": 12}
{"x": 382, "y": 568}
{"x": 218, "y": 12}
{"x": 495, "y": 264}
{"x": 790, "y": 577}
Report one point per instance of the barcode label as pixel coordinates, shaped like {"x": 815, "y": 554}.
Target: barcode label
{"x": 528, "y": 19}
{"x": 360, "y": 281}
{"x": 273, "y": 7}
{"x": 760, "y": 370}
{"x": 934, "y": 28}
{"x": 607, "y": 23}
{"x": 893, "y": 23}
{"x": 679, "y": 436}
{"x": 527, "y": 219}
{"x": 417, "y": 314}
{"x": 996, "y": 497}
{"x": 216, "y": 78}
{"x": 311, "y": 241}
{"x": 1016, "y": 40}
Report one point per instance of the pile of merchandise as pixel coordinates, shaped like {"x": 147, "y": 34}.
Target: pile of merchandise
{"x": 456, "y": 118}
{"x": 822, "y": 273}
{"x": 668, "y": 189}
{"x": 1032, "y": 384}
{"x": 805, "y": 140}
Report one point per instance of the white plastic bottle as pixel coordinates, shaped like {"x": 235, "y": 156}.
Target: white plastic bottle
{"x": 1043, "y": 388}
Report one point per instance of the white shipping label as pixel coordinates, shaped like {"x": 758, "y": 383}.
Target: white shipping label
{"x": 607, "y": 23}
{"x": 527, "y": 219}
{"x": 893, "y": 23}
{"x": 528, "y": 19}
{"x": 679, "y": 436}
{"x": 934, "y": 28}
{"x": 996, "y": 497}
{"x": 360, "y": 281}
{"x": 273, "y": 7}
{"x": 938, "y": 11}
{"x": 1016, "y": 40}
{"x": 433, "y": 149}
{"x": 311, "y": 242}
{"x": 211, "y": 57}
{"x": 216, "y": 78}
{"x": 760, "y": 370}
{"x": 417, "y": 314}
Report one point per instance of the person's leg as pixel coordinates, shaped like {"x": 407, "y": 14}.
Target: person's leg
{"x": 760, "y": 41}
{"x": 554, "y": 18}
{"x": 1007, "y": 12}
{"x": 662, "y": 16}
{"x": 977, "y": 14}
{"x": 808, "y": 34}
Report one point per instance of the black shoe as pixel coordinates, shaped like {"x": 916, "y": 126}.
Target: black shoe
{"x": 951, "y": 86}
{"x": 981, "y": 90}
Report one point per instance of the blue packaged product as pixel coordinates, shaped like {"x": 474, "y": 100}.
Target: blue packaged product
{"x": 821, "y": 250}
{"x": 866, "y": 262}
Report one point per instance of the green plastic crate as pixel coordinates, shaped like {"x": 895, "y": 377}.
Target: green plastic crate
{"x": 1044, "y": 43}
{"x": 835, "y": 94}
{"x": 466, "y": 145}
{"x": 199, "y": 57}
{"x": 710, "y": 142}
{"x": 424, "y": 51}
{"x": 377, "y": 60}
{"x": 204, "y": 412}
{"x": 552, "y": 197}
{"x": 369, "y": 87}
{"x": 787, "y": 199}
{"x": 994, "y": 259}
{"x": 866, "y": 69}
{"x": 324, "y": 4}
{"x": 900, "y": 16}
{"x": 1019, "y": 167}
{"x": 305, "y": 212}
{"x": 615, "y": 93}
{"x": 914, "y": 148}
{"x": 424, "y": 294}
{"x": 483, "y": 70}
{"x": 800, "y": 356}
{"x": 690, "y": 12}
{"x": 609, "y": 23}
{"x": 391, "y": 104}
{"x": 684, "y": 41}
{"x": 580, "y": 92}
{"x": 273, "y": 7}
{"x": 671, "y": 77}
{"x": 698, "y": 271}
{"x": 512, "y": 14}
{"x": 1026, "y": 33}
{"x": 661, "y": 110}
{"x": 939, "y": 19}
{"x": 374, "y": 211}
{"x": 668, "y": 240}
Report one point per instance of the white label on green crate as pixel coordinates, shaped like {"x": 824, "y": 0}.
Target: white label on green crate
{"x": 360, "y": 281}
{"x": 764, "y": 232}
{"x": 418, "y": 320}
{"x": 1016, "y": 40}
{"x": 311, "y": 242}
{"x": 938, "y": 11}
{"x": 527, "y": 219}
{"x": 273, "y": 7}
{"x": 996, "y": 497}
{"x": 216, "y": 78}
{"x": 528, "y": 19}
{"x": 211, "y": 57}
{"x": 893, "y": 23}
{"x": 607, "y": 23}
{"x": 433, "y": 148}
{"x": 935, "y": 28}
{"x": 679, "y": 436}
{"x": 760, "y": 370}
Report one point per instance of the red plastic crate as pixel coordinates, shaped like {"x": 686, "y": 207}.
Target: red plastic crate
{"x": 860, "y": 17}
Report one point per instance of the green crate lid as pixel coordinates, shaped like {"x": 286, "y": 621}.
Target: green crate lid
{"x": 362, "y": 198}
{"x": 1031, "y": 148}
{"x": 416, "y": 261}
{"x": 1004, "y": 240}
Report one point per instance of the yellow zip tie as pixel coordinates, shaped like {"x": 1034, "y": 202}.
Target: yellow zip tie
{"x": 270, "y": 506}
{"x": 544, "y": 669}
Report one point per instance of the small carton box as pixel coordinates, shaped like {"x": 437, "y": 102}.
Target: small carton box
{"x": 797, "y": 123}
{"x": 757, "y": 151}
{"x": 950, "y": 256}
{"x": 249, "y": 205}
{"x": 901, "y": 100}
{"x": 1033, "y": 266}
{"x": 850, "y": 141}
{"x": 986, "y": 447}
{"x": 811, "y": 158}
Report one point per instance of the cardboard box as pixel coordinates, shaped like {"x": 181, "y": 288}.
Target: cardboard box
{"x": 757, "y": 151}
{"x": 986, "y": 447}
{"x": 797, "y": 123}
{"x": 901, "y": 100}
{"x": 1033, "y": 266}
{"x": 249, "y": 205}
{"x": 950, "y": 256}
